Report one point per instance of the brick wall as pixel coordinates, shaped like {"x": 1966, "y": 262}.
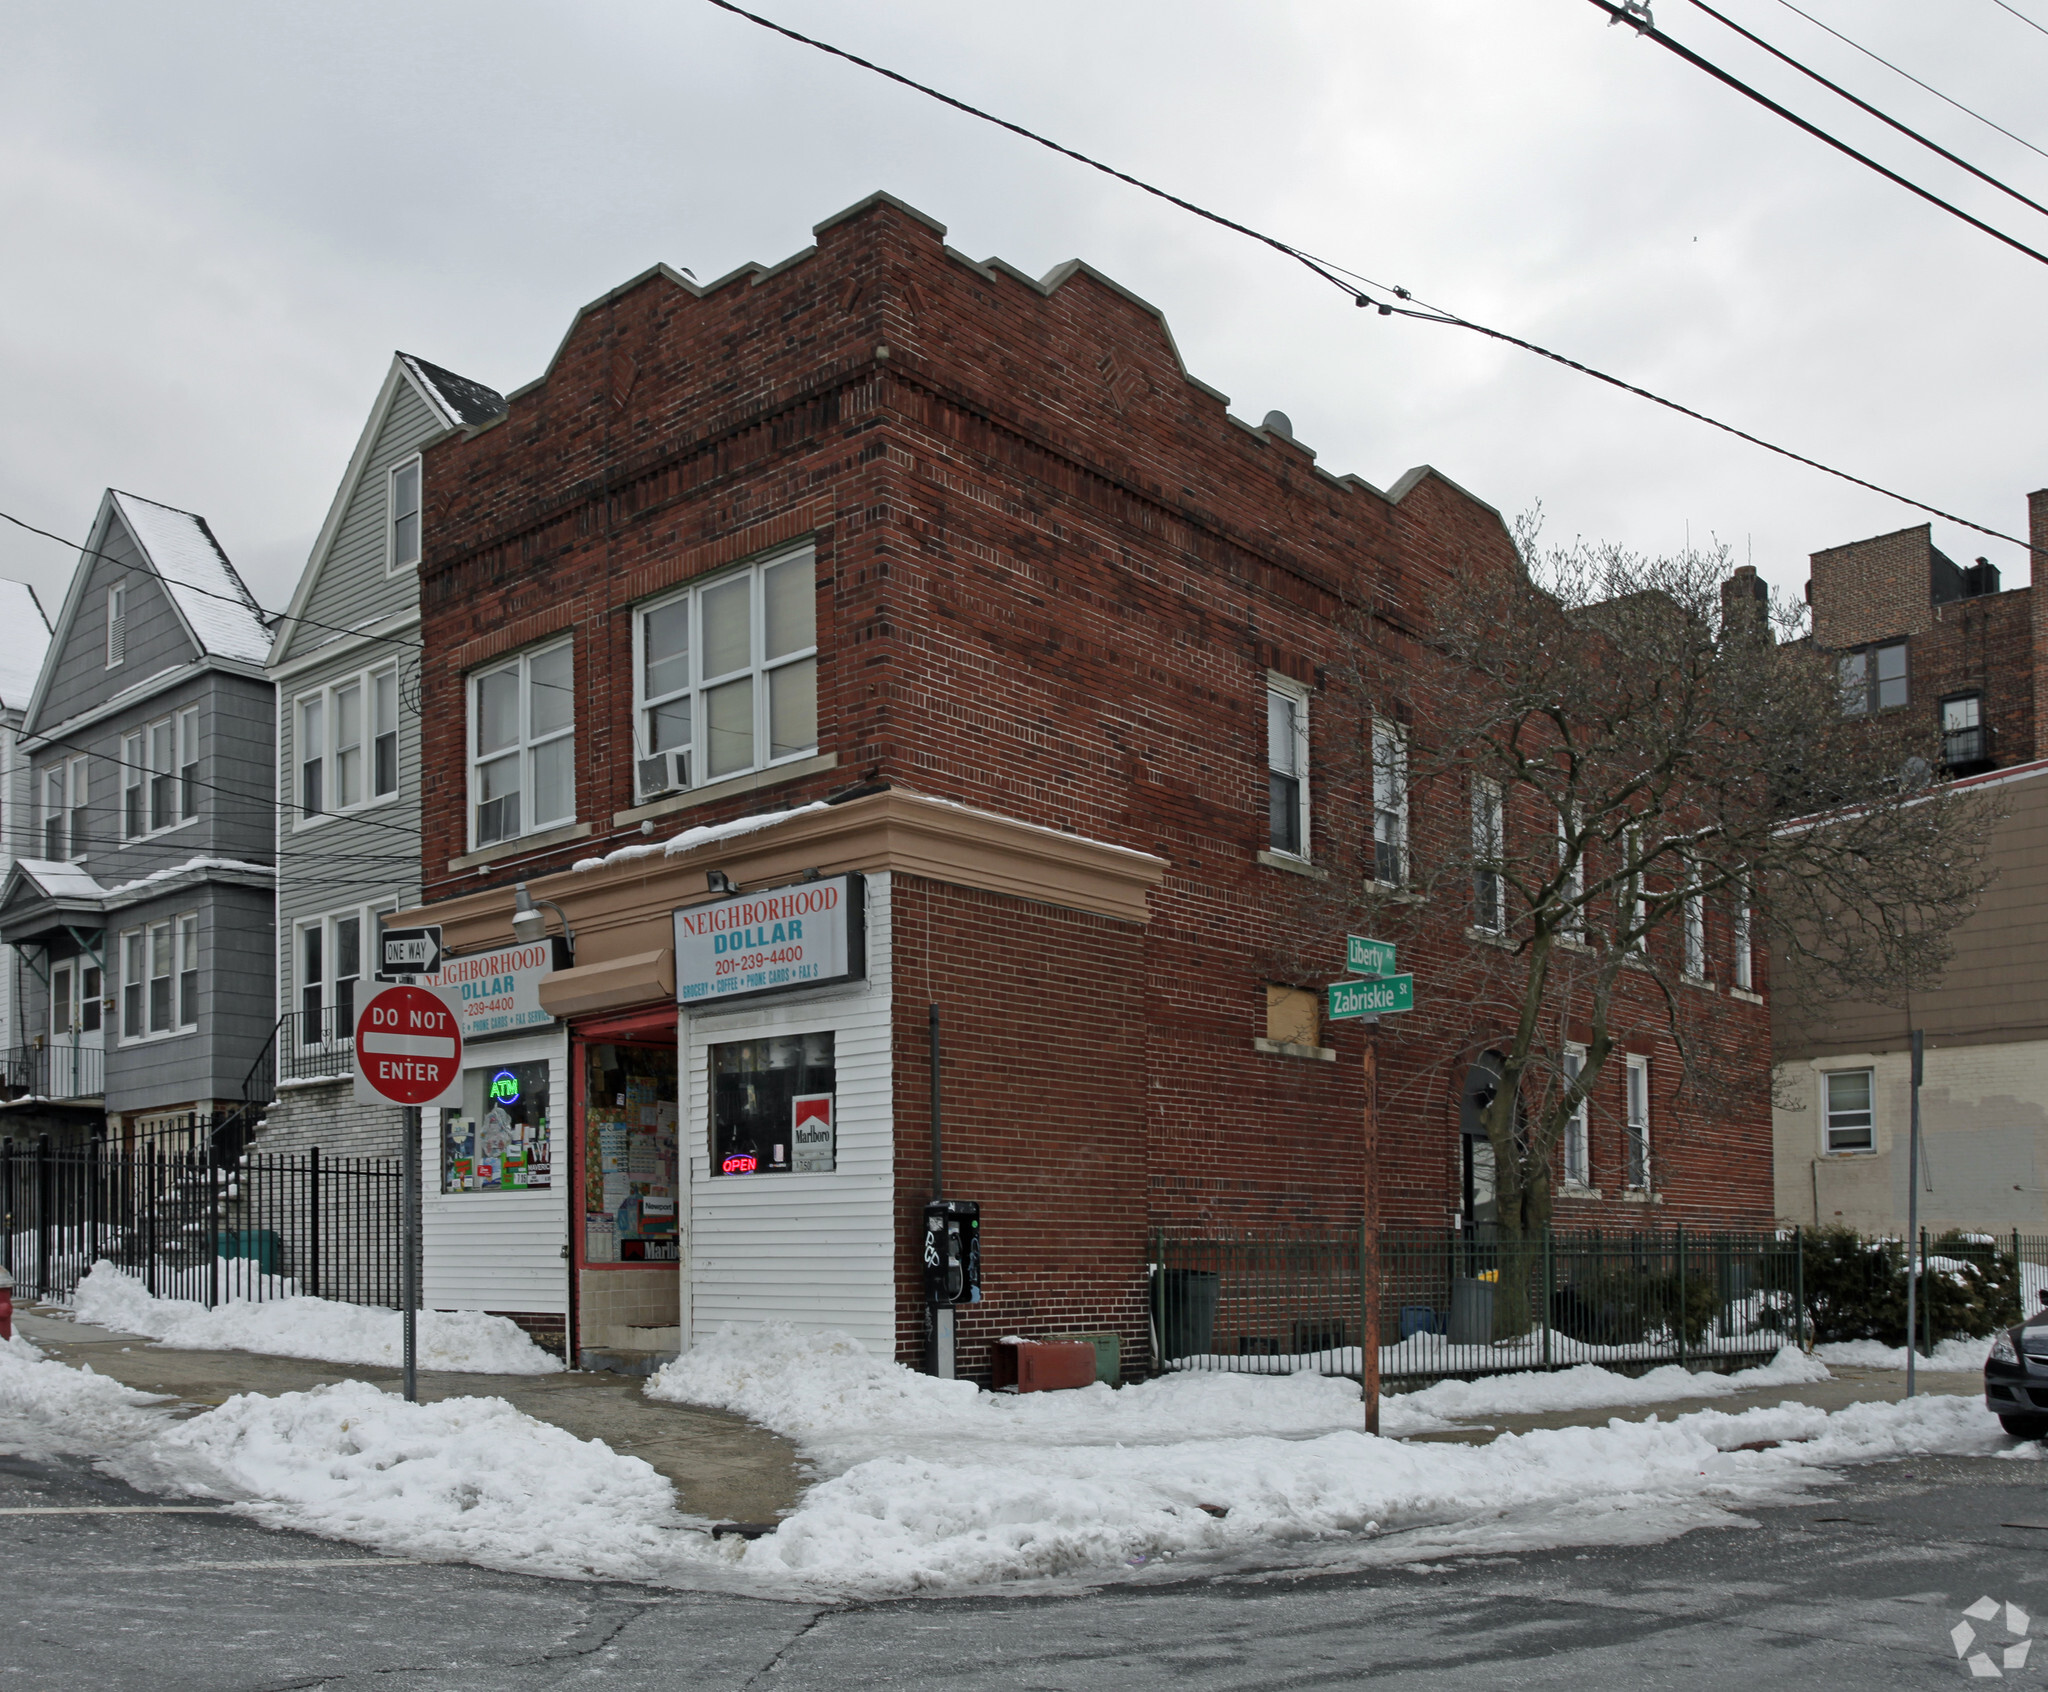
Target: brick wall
{"x": 329, "y": 1117}
{"x": 1052, "y": 577}
{"x": 1873, "y": 589}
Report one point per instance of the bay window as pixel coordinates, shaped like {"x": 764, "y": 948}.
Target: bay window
{"x": 160, "y": 977}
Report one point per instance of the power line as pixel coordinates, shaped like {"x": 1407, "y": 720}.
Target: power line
{"x": 1650, "y": 32}
{"x": 1864, "y": 105}
{"x": 1330, "y": 273}
{"x": 248, "y": 604}
{"x": 1910, "y": 77}
{"x": 2022, "y": 16}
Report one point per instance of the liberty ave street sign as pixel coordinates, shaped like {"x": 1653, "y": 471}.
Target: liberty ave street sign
{"x": 1368, "y": 957}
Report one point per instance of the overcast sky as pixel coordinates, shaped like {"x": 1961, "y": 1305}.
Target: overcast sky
{"x": 220, "y": 219}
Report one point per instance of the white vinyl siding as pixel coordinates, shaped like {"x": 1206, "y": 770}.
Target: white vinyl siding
{"x": 814, "y": 1250}
{"x": 501, "y": 1251}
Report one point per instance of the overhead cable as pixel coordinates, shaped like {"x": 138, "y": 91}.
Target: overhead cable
{"x": 1329, "y": 272}
{"x": 2022, "y": 16}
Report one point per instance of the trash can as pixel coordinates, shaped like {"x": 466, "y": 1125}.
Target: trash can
{"x": 1187, "y": 1312}
{"x": 1472, "y": 1312}
{"x": 1419, "y": 1319}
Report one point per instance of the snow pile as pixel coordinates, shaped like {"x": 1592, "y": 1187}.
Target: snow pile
{"x": 691, "y": 838}
{"x": 1958, "y": 1356}
{"x": 315, "y": 1328}
{"x": 48, "y": 1409}
{"x": 1588, "y": 1388}
{"x": 466, "y": 1478}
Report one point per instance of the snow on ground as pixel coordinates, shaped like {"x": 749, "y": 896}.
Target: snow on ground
{"x": 1590, "y": 1388}
{"x": 1958, "y": 1356}
{"x": 315, "y": 1328}
{"x": 48, "y": 1409}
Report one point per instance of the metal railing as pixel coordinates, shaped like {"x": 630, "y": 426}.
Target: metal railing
{"x": 54, "y": 1069}
{"x": 193, "y": 1225}
{"x": 1452, "y": 1304}
{"x": 314, "y": 1045}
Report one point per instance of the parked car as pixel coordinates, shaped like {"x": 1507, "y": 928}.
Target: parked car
{"x": 2016, "y": 1377}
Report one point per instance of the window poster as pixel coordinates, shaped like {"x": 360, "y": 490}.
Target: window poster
{"x": 629, "y": 1154}
{"x": 498, "y": 1141}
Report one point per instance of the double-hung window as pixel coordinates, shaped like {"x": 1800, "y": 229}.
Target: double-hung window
{"x": 1389, "y": 802}
{"x": 66, "y": 819}
{"x": 1489, "y": 887}
{"x": 1577, "y": 1147}
{"x": 726, "y": 676}
{"x": 1571, "y": 873}
{"x": 160, "y": 775}
{"x": 522, "y": 744}
{"x": 348, "y": 744}
{"x": 330, "y": 972}
{"x": 1287, "y": 767}
{"x": 1851, "y": 1110}
{"x": 1695, "y": 936}
{"x": 402, "y": 523}
{"x": 1873, "y": 679}
{"x": 1744, "y": 963}
{"x": 160, "y": 977}
{"x": 1638, "y": 1126}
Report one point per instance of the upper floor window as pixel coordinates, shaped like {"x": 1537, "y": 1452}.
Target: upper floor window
{"x": 1286, "y": 767}
{"x": 725, "y": 677}
{"x": 1571, "y": 873}
{"x": 522, "y": 745}
{"x": 1873, "y": 679}
{"x": 74, "y": 999}
{"x": 348, "y": 744}
{"x": 117, "y": 623}
{"x": 1638, "y": 1127}
{"x": 1578, "y": 1160}
{"x": 1489, "y": 828}
{"x": 1744, "y": 959}
{"x": 160, "y": 775}
{"x": 1389, "y": 802}
{"x": 66, "y": 815}
{"x": 402, "y": 525}
{"x": 1695, "y": 960}
{"x": 1851, "y": 1112}
{"x": 160, "y": 977}
{"x": 1965, "y": 740}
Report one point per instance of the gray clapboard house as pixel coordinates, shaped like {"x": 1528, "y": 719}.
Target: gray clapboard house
{"x": 26, "y": 1106}
{"x": 346, "y": 664}
{"x": 141, "y": 910}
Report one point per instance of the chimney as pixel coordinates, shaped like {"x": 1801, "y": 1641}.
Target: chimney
{"x": 1745, "y": 602}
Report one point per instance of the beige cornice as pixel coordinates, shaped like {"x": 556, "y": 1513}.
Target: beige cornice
{"x": 612, "y": 906}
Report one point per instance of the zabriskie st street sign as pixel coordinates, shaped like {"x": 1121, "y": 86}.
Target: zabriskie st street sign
{"x": 408, "y": 1049}
{"x": 1383, "y": 994}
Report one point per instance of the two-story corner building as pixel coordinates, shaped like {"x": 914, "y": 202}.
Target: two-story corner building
{"x": 143, "y": 917}
{"x": 914, "y": 691}
{"x": 1918, "y": 632}
{"x": 346, "y": 662}
{"x": 27, "y": 1104}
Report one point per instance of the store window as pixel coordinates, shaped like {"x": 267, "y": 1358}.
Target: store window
{"x": 772, "y": 1110}
{"x": 629, "y": 1154}
{"x": 499, "y": 1140}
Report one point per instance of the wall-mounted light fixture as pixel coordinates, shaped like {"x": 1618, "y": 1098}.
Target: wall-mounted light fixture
{"x": 719, "y": 882}
{"x": 528, "y": 925}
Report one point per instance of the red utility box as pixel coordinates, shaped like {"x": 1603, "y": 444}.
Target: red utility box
{"x": 1041, "y": 1365}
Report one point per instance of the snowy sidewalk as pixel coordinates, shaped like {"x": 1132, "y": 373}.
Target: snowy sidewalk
{"x": 723, "y": 1466}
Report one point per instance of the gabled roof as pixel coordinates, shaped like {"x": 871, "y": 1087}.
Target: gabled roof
{"x": 220, "y": 614}
{"x": 27, "y": 633}
{"x": 55, "y": 879}
{"x": 456, "y": 400}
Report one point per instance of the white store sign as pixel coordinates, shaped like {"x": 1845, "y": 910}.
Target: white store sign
{"x": 805, "y": 935}
{"x": 499, "y": 992}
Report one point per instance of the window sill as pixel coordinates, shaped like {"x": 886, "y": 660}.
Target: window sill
{"x": 524, "y": 845}
{"x": 1568, "y": 1191}
{"x": 128, "y": 1041}
{"x": 717, "y": 790}
{"x": 1745, "y": 995}
{"x": 1398, "y": 895}
{"x": 1293, "y": 865}
{"x": 1849, "y": 1152}
{"x": 1699, "y": 981}
{"x": 1487, "y": 937}
{"x": 1572, "y": 943}
{"x": 1287, "y": 1048}
{"x": 154, "y": 834}
{"x": 1636, "y": 1195}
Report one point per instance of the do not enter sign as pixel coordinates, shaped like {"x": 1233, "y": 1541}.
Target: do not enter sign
{"x": 408, "y": 1048}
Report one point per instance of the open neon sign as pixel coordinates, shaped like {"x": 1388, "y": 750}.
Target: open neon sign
{"x": 740, "y": 1163}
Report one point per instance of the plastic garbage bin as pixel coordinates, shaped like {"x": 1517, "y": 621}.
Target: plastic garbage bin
{"x": 1187, "y": 1312}
{"x": 1472, "y": 1312}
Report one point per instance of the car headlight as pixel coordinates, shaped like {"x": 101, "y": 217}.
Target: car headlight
{"x": 2002, "y": 1349}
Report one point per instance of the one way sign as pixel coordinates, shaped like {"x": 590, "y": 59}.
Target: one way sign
{"x": 409, "y": 951}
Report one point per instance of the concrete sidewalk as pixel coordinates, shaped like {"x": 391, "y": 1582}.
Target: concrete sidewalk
{"x": 723, "y": 1466}
{"x": 1849, "y": 1386}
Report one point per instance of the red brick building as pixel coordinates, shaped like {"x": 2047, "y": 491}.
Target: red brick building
{"x": 888, "y": 564}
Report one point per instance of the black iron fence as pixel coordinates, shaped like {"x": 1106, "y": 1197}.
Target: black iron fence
{"x": 1451, "y": 1304}
{"x": 53, "y": 1070}
{"x": 191, "y": 1224}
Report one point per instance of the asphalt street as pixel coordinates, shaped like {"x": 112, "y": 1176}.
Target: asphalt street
{"x": 101, "y": 1588}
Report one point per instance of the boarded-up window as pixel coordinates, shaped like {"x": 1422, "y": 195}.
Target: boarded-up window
{"x": 1291, "y": 1016}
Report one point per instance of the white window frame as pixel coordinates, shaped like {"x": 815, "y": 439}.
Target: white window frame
{"x": 1693, "y": 962}
{"x": 1279, "y": 687}
{"x": 394, "y": 559}
{"x": 1572, "y": 886}
{"x": 1636, "y": 1124}
{"x": 369, "y": 682}
{"x": 1742, "y": 940}
{"x": 1577, "y": 1141}
{"x": 1489, "y": 847}
{"x": 178, "y": 938}
{"x": 757, "y": 671}
{"x": 1390, "y": 801}
{"x": 1849, "y": 1128}
{"x": 139, "y": 775}
{"x": 70, "y": 781}
{"x": 117, "y": 624}
{"x": 525, "y": 744}
{"x": 326, "y": 999}
{"x": 83, "y": 1010}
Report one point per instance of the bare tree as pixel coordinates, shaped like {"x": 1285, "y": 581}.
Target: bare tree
{"x": 1565, "y": 769}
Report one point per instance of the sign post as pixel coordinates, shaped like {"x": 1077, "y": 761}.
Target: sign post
{"x": 1381, "y": 992}
{"x": 408, "y": 1051}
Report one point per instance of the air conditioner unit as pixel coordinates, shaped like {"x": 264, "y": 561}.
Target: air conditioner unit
{"x": 665, "y": 772}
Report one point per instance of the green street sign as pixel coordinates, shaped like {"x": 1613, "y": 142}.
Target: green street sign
{"x": 1371, "y": 998}
{"x": 1368, "y": 957}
